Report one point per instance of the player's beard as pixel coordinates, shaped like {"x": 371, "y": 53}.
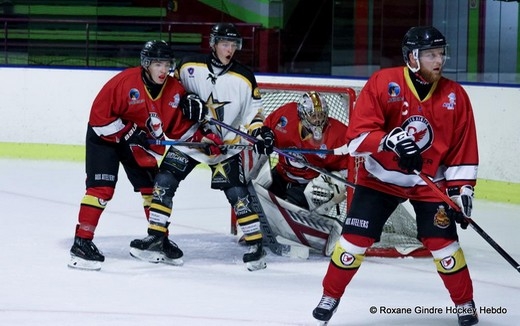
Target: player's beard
{"x": 431, "y": 76}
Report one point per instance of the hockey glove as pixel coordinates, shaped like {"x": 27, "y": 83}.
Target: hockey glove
{"x": 463, "y": 197}
{"x": 137, "y": 140}
{"x": 404, "y": 146}
{"x": 213, "y": 140}
{"x": 193, "y": 108}
{"x": 264, "y": 144}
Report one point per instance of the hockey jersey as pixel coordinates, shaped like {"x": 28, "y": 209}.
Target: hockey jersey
{"x": 287, "y": 128}
{"x": 124, "y": 98}
{"x": 232, "y": 96}
{"x": 442, "y": 125}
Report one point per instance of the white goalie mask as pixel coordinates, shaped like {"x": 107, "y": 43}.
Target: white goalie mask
{"x": 313, "y": 113}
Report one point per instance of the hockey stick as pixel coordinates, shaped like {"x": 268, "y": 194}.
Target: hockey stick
{"x": 445, "y": 198}
{"x": 280, "y": 152}
{"x": 269, "y": 238}
{"x": 336, "y": 151}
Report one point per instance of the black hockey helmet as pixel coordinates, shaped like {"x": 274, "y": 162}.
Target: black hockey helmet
{"x": 227, "y": 32}
{"x": 422, "y": 38}
{"x": 156, "y": 50}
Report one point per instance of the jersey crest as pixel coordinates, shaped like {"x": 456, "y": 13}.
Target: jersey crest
{"x": 421, "y": 130}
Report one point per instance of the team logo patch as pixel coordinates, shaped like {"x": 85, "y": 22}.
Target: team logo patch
{"x": 448, "y": 263}
{"x": 347, "y": 259}
{"x": 394, "y": 89}
{"x": 154, "y": 125}
{"x": 282, "y": 122}
{"x": 191, "y": 70}
{"x": 441, "y": 219}
{"x": 256, "y": 93}
{"x": 421, "y": 130}
{"x": 175, "y": 103}
{"x": 134, "y": 94}
{"x": 452, "y": 99}
{"x": 159, "y": 192}
{"x": 242, "y": 206}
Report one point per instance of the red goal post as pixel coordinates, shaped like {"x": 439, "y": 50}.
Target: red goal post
{"x": 398, "y": 238}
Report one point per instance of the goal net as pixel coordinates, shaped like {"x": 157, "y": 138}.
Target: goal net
{"x": 400, "y": 231}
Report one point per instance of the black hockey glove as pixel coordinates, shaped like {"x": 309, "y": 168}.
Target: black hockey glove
{"x": 404, "y": 146}
{"x": 265, "y": 144}
{"x": 463, "y": 197}
{"x": 193, "y": 108}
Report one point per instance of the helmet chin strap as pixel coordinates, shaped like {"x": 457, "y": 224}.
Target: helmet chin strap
{"x": 415, "y": 53}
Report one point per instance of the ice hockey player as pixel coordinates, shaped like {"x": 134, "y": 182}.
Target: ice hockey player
{"x": 230, "y": 93}
{"x": 409, "y": 119}
{"x": 136, "y": 105}
{"x": 306, "y": 125}
{"x": 291, "y": 187}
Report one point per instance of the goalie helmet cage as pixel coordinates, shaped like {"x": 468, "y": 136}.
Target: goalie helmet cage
{"x": 399, "y": 233}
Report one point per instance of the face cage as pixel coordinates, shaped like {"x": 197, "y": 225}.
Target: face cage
{"x": 315, "y": 129}
{"x": 215, "y": 39}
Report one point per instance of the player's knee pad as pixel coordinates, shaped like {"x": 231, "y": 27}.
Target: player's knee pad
{"x": 236, "y": 195}
{"x": 98, "y": 196}
{"x": 347, "y": 255}
{"x": 164, "y": 188}
{"x": 449, "y": 259}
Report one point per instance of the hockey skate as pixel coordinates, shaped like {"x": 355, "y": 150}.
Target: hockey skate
{"x": 156, "y": 249}
{"x": 255, "y": 257}
{"x": 325, "y": 309}
{"x": 85, "y": 255}
{"x": 467, "y": 314}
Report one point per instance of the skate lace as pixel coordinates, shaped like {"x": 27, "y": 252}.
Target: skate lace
{"x": 327, "y": 303}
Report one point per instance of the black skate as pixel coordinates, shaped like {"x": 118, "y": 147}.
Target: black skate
{"x": 467, "y": 313}
{"x": 325, "y": 309}
{"x": 254, "y": 258}
{"x": 156, "y": 249}
{"x": 85, "y": 255}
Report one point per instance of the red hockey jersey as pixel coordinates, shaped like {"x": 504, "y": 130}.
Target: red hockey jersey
{"x": 124, "y": 98}
{"x": 442, "y": 124}
{"x": 286, "y": 126}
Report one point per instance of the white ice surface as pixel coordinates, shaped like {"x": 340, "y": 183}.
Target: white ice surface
{"x": 40, "y": 202}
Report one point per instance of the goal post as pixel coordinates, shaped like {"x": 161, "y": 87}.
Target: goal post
{"x": 399, "y": 234}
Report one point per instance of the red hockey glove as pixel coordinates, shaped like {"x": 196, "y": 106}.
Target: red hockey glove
{"x": 463, "y": 197}
{"x": 213, "y": 140}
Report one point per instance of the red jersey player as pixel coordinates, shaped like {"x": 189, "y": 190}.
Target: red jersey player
{"x": 136, "y": 105}
{"x": 409, "y": 119}
{"x": 306, "y": 125}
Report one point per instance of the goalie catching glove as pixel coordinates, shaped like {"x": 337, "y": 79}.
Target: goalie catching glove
{"x": 463, "y": 197}
{"x": 325, "y": 192}
{"x": 193, "y": 108}
{"x": 404, "y": 146}
{"x": 208, "y": 137}
{"x": 265, "y": 140}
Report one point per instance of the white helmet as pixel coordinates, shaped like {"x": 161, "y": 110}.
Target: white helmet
{"x": 313, "y": 113}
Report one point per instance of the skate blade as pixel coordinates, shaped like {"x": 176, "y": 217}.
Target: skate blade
{"x": 154, "y": 257}
{"x": 83, "y": 264}
{"x": 256, "y": 265}
{"x": 322, "y": 323}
